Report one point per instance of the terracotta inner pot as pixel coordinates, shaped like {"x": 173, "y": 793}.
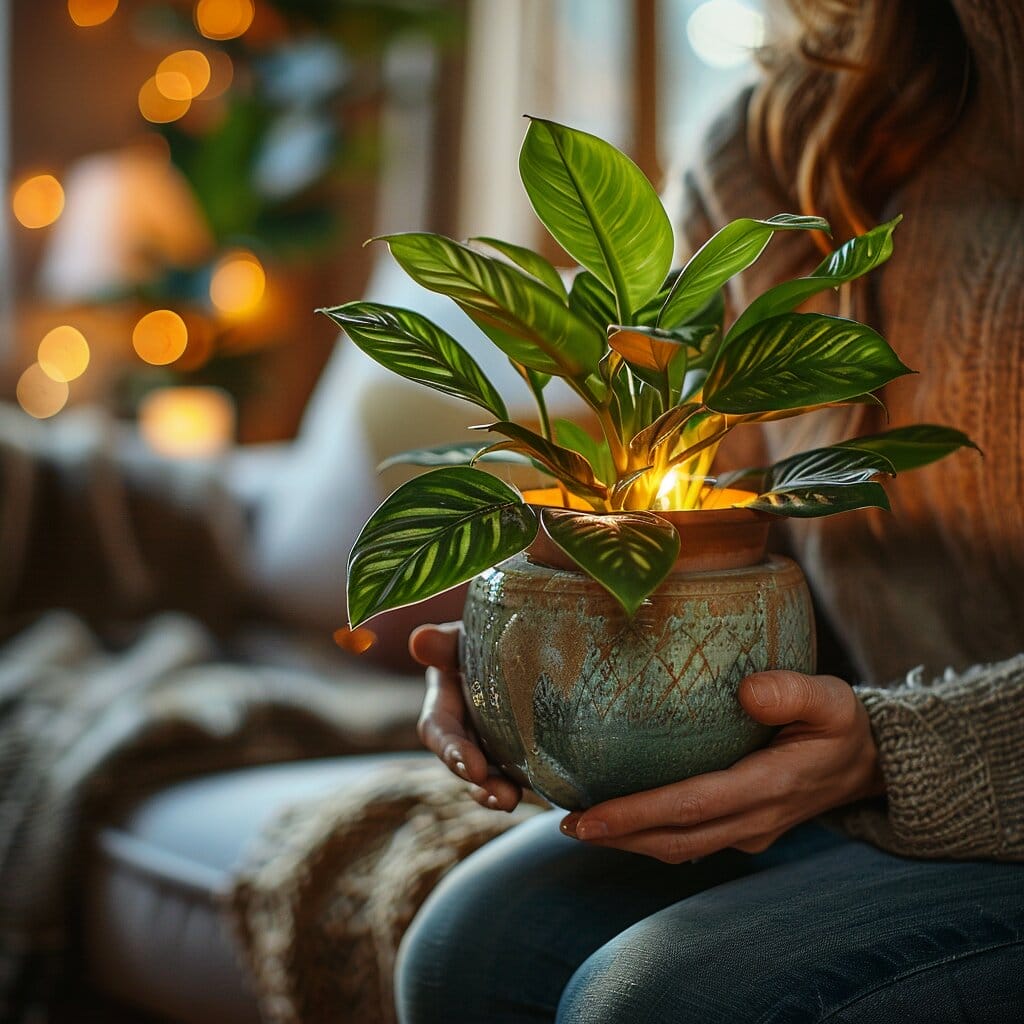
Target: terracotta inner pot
{"x": 709, "y": 538}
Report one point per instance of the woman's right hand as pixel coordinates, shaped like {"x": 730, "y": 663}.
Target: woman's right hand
{"x": 443, "y": 727}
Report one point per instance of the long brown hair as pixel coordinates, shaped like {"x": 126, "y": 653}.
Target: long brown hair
{"x": 854, "y": 97}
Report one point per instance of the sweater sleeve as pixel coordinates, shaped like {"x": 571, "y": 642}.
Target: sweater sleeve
{"x": 953, "y": 760}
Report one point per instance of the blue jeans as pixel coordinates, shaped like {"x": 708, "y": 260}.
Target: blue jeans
{"x": 539, "y": 927}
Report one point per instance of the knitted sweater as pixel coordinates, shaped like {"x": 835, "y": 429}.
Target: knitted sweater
{"x": 935, "y": 590}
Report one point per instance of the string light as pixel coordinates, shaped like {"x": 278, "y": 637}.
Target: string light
{"x": 160, "y": 337}
{"x": 183, "y": 75}
{"x": 187, "y": 422}
{"x": 238, "y": 283}
{"x": 39, "y": 395}
{"x": 63, "y": 354}
{"x": 86, "y": 13}
{"x": 159, "y": 108}
{"x": 38, "y": 201}
{"x": 222, "y": 73}
{"x": 224, "y": 19}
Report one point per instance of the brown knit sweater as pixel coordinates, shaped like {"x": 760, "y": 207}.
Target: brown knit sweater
{"x": 936, "y": 589}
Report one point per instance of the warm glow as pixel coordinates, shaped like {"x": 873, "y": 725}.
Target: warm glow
{"x": 237, "y": 284}
{"x": 86, "y": 13}
{"x": 63, "y": 354}
{"x": 39, "y": 395}
{"x": 160, "y": 337}
{"x": 158, "y": 108}
{"x": 187, "y": 422}
{"x": 38, "y": 201}
{"x": 669, "y": 482}
{"x": 183, "y": 75}
{"x": 355, "y": 641}
{"x": 224, "y": 19}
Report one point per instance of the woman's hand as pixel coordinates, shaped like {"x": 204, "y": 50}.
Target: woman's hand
{"x": 824, "y": 757}
{"x": 442, "y": 725}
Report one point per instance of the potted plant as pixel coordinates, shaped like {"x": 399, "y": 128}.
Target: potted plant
{"x": 606, "y": 658}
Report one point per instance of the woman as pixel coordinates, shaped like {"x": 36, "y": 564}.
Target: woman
{"x": 739, "y": 907}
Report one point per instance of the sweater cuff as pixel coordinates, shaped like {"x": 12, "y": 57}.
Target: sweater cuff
{"x": 949, "y": 753}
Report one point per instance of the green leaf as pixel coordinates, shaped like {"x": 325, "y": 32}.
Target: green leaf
{"x": 590, "y": 299}
{"x": 628, "y": 553}
{"x": 826, "y": 500}
{"x": 526, "y": 259}
{"x": 415, "y": 348}
{"x": 832, "y": 465}
{"x": 855, "y": 258}
{"x": 532, "y": 324}
{"x": 600, "y": 208}
{"x": 911, "y": 447}
{"x": 457, "y": 453}
{"x": 436, "y": 531}
{"x": 572, "y": 435}
{"x": 712, "y": 312}
{"x": 799, "y": 359}
{"x": 724, "y": 255}
{"x": 570, "y": 467}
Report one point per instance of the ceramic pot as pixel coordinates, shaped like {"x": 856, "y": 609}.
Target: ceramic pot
{"x": 574, "y": 699}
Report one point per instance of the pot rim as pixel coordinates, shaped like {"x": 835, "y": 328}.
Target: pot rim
{"x": 710, "y": 539}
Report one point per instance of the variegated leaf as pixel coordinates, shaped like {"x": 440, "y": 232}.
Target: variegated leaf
{"x": 412, "y": 346}
{"x": 600, "y": 208}
{"x": 533, "y": 324}
{"x": 436, "y": 531}
{"x": 729, "y": 251}
{"x": 796, "y": 360}
{"x": 628, "y": 553}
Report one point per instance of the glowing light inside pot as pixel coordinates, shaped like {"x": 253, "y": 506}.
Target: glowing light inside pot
{"x": 669, "y": 483}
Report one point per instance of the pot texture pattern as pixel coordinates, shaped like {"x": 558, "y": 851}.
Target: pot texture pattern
{"x": 574, "y": 699}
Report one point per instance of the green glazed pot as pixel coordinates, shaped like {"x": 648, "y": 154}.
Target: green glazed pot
{"x": 579, "y": 702}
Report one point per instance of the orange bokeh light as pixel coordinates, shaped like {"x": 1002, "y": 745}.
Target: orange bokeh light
{"x": 160, "y": 337}
{"x": 224, "y": 19}
{"x": 158, "y": 108}
{"x": 355, "y": 641}
{"x": 187, "y": 422}
{"x": 238, "y": 284}
{"x": 38, "y": 201}
{"x": 39, "y": 395}
{"x": 183, "y": 75}
{"x": 86, "y": 13}
{"x": 63, "y": 354}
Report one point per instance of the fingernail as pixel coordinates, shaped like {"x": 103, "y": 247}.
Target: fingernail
{"x": 460, "y": 767}
{"x": 591, "y": 829}
{"x": 492, "y": 801}
{"x": 568, "y": 825}
{"x": 764, "y": 692}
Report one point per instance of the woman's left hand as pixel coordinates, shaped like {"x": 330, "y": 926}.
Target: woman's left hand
{"x": 824, "y": 757}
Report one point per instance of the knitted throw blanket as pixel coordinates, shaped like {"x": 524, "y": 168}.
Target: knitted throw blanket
{"x": 324, "y": 898}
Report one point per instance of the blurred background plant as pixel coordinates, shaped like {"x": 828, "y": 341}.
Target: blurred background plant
{"x": 190, "y": 178}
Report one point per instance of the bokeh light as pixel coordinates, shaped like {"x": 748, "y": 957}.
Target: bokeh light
{"x": 183, "y": 75}
{"x": 725, "y": 33}
{"x": 63, "y": 354}
{"x": 39, "y": 395}
{"x": 187, "y": 422}
{"x": 159, "y": 108}
{"x": 38, "y": 201}
{"x": 224, "y": 19}
{"x": 355, "y": 641}
{"x": 86, "y": 13}
{"x": 237, "y": 284}
{"x": 160, "y": 337}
